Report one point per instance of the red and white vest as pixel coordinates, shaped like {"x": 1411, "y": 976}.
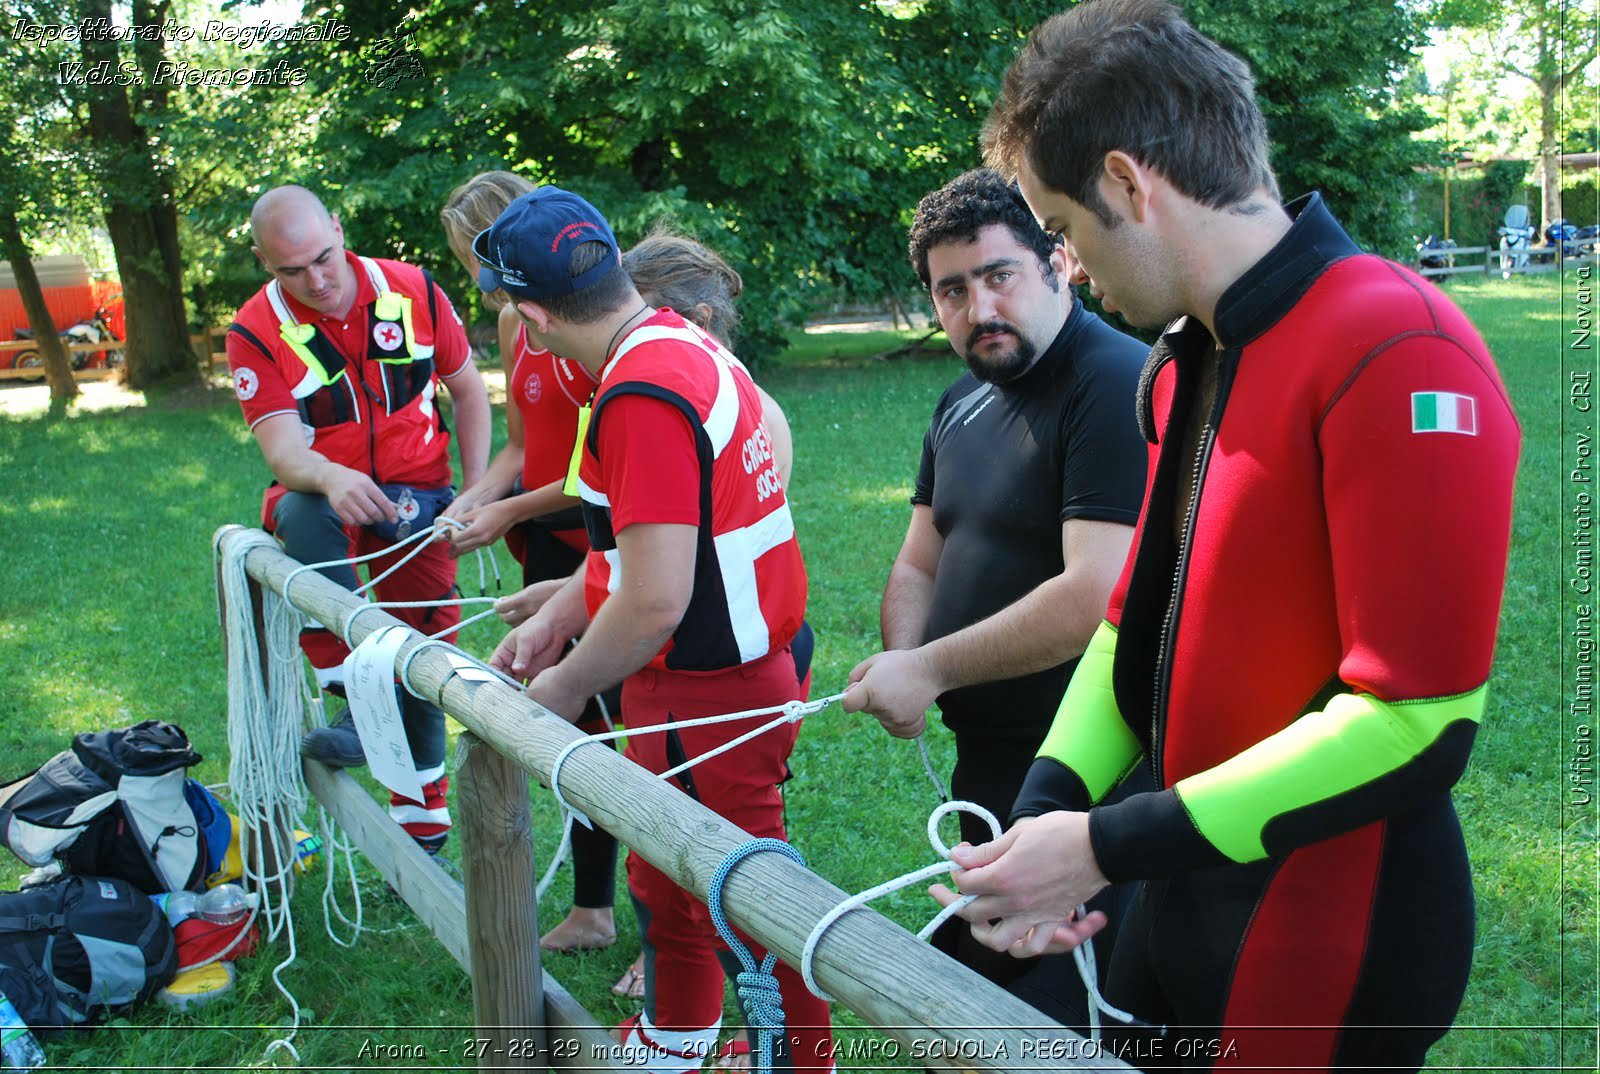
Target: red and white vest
{"x": 376, "y": 413}
{"x": 749, "y": 594}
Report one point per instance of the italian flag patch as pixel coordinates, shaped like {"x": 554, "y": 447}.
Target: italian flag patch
{"x": 1444, "y": 412}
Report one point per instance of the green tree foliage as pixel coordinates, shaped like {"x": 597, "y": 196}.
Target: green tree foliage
{"x": 31, "y": 182}
{"x": 1543, "y": 47}
{"x": 793, "y": 138}
{"x": 1329, "y": 74}
{"x": 113, "y": 103}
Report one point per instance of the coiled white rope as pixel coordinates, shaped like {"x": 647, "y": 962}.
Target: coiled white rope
{"x": 808, "y": 953}
{"x": 265, "y": 714}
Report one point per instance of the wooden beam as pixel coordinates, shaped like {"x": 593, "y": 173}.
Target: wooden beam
{"x": 577, "y": 1042}
{"x": 435, "y": 895}
{"x": 886, "y": 975}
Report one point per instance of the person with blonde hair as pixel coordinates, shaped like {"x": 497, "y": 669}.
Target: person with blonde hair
{"x": 519, "y": 497}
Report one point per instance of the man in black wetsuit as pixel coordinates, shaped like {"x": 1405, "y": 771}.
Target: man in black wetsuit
{"x": 1031, "y": 477}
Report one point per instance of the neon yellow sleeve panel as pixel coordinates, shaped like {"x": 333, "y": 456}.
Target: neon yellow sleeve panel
{"x": 1354, "y": 740}
{"x": 1089, "y": 735}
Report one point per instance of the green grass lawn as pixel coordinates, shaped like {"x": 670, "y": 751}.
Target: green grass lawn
{"x": 107, "y": 616}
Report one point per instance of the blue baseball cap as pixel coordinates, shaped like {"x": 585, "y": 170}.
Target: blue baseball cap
{"x": 526, "y": 251}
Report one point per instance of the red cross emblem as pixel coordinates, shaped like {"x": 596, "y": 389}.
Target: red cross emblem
{"x": 388, "y": 335}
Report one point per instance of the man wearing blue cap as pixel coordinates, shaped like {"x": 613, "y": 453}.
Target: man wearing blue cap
{"x": 692, "y": 592}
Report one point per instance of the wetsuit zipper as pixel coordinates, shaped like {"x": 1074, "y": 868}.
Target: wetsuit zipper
{"x": 1226, "y": 363}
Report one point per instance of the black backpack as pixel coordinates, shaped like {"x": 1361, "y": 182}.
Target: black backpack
{"x": 79, "y": 947}
{"x": 112, "y": 805}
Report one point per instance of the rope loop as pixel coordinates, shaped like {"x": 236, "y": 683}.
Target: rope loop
{"x": 757, "y": 986}
{"x": 855, "y": 902}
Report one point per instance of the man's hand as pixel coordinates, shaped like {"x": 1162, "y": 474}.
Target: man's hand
{"x": 355, "y": 498}
{"x": 484, "y": 525}
{"x": 530, "y": 648}
{"x": 523, "y": 605}
{"x": 1029, "y": 884}
{"x": 897, "y": 687}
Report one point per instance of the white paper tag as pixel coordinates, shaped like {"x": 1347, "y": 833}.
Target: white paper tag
{"x": 369, "y": 686}
{"x": 470, "y": 670}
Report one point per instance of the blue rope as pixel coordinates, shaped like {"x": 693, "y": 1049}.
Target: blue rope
{"x": 756, "y": 985}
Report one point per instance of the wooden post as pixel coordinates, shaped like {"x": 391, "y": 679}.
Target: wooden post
{"x": 945, "y": 1013}
{"x": 496, "y": 828}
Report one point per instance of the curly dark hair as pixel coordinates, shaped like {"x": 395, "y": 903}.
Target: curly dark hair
{"x": 967, "y": 204}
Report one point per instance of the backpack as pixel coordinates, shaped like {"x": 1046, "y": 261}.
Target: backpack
{"x": 112, "y": 805}
{"x": 80, "y": 947}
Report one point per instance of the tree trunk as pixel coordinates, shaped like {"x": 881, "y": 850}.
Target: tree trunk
{"x": 57, "y": 366}
{"x": 1549, "y": 155}
{"x": 141, "y": 217}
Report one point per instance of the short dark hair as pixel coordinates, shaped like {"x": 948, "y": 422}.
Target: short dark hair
{"x": 967, "y": 204}
{"x": 606, "y": 295}
{"x": 1130, "y": 75}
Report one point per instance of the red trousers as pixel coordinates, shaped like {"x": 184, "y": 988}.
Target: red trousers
{"x": 741, "y": 785}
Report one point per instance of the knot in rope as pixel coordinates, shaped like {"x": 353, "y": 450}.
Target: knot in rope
{"x": 757, "y": 987}
{"x": 763, "y": 1002}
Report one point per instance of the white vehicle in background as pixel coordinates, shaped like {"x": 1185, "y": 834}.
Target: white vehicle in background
{"x": 1516, "y": 235}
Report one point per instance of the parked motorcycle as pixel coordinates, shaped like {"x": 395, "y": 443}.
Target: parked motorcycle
{"x": 92, "y": 329}
{"x": 1516, "y": 236}
{"x": 1588, "y": 239}
{"x": 1563, "y": 236}
{"x": 1436, "y": 253}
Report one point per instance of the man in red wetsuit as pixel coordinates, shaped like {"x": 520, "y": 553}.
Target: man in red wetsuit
{"x": 1300, "y": 641}
{"x": 693, "y": 590}
{"x": 336, "y": 362}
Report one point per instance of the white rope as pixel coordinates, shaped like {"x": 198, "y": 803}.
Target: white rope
{"x": 265, "y": 714}
{"x": 919, "y": 875}
{"x": 558, "y": 858}
{"x": 1082, "y": 955}
{"x": 467, "y": 621}
{"x": 793, "y": 711}
{"x": 427, "y": 536}
{"x": 384, "y": 605}
{"x": 404, "y": 671}
{"x": 927, "y": 766}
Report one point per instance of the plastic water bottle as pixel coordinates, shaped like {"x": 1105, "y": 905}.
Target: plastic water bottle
{"x": 21, "y": 1050}
{"x": 179, "y": 906}
{"x": 224, "y": 904}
